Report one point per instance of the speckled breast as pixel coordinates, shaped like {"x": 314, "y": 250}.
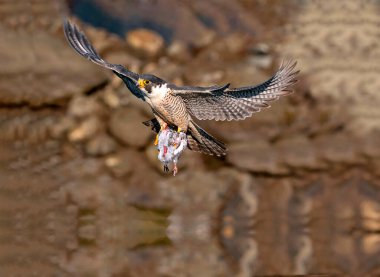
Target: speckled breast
{"x": 174, "y": 109}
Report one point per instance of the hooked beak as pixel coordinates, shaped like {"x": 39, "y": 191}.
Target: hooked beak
{"x": 140, "y": 83}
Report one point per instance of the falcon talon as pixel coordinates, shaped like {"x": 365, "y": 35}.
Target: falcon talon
{"x": 177, "y": 105}
{"x": 164, "y": 126}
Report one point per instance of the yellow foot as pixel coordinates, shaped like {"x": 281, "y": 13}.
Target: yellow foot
{"x": 156, "y": 140}
{"x": 179, "y": 130}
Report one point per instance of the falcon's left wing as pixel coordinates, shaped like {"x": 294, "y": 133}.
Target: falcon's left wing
{"x": 79, "y": 42}
{"x": 239, "y": 103}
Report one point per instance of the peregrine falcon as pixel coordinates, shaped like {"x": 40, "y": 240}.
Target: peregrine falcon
{"x": 175, "y": 106}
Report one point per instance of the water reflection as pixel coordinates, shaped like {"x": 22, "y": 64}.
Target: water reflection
{"x": 234, "y": 225}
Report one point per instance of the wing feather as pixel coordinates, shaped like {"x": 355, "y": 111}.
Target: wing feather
{"x": 190, "y": 89}
{"x": 239, "y": 103}
{"x": 79, "y": 42}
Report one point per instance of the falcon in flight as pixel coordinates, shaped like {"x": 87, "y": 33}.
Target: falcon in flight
{"x": 175, "y": 107}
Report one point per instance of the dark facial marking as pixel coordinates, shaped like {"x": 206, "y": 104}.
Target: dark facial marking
{"x": 153, "y": 79}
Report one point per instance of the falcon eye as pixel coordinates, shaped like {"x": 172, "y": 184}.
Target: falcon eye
{"x": 146, "y": 82}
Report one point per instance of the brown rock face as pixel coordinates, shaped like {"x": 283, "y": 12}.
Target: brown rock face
{"x": 256, "y": 157}
{"x": 179, "y": 51}
{"x": 126, "y": 125}
{"x": 147, "y": 44}
{"x": 85, "y": 130}
{"x": 43, "y": 57}
{"x": 83, "y": 106}
{"x": 342, "y": 62}
{"x": 101, "y": 145}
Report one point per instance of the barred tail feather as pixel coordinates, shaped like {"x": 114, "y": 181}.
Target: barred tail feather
{"x": 202, "y": 141}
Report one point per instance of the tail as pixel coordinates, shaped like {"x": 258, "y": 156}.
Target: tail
{"x": 198, "y": 139}
{"x": 201, "y": 141}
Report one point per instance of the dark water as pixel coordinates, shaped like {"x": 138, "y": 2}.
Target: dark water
{"x": 92, "y": 13}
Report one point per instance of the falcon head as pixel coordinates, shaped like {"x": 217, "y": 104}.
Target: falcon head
{"x": 150, "y": 84}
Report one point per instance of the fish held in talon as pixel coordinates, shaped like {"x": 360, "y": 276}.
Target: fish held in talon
{"x": 175, "y": 107}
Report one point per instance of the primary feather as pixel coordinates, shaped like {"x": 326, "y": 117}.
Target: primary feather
{"x": 81, "y": 44}
{"x": 239, "y": 103}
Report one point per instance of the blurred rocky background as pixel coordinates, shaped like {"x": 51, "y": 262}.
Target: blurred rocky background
{"x": 83, "y": 194}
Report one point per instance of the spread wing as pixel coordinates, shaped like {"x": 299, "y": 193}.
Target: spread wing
{"x": 239, "y": 103}
{"x": 190, "y": 89}
{"x": 81, "y": 44}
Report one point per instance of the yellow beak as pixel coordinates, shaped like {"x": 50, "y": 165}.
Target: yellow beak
{"x": 141, "y": 83}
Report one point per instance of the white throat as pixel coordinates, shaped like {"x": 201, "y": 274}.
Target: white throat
{"x": 159, "y": 91}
